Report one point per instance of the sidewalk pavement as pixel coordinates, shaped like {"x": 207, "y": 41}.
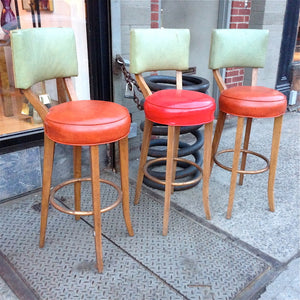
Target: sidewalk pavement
{"x": 274, "y": 234}
{"x": 254, "y": 241}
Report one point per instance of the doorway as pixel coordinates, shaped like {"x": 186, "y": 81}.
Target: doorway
{"x": 288, "y": 46}
{"x": 98, "y": 22}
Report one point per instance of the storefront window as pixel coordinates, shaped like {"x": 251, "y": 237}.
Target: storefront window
{"x": 16, "y": 113}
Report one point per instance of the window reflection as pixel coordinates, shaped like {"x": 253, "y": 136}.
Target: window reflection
{"x": 16, "y": 113}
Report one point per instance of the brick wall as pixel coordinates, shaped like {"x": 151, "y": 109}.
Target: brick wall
{"x": 155, "y": 13}
{"x": 240, "y": 17}
{"x": 240, "y": 14}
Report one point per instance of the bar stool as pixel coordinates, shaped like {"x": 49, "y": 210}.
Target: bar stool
{"x": 77, "y": 123}
{"x": 168, "y": 49}
{"x": 245, "y": 48}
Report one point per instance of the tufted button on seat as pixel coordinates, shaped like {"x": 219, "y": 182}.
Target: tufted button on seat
{"x": 179, "y": 108}
{"x": 253, "y": 102}
{"x": 87, "y": 123}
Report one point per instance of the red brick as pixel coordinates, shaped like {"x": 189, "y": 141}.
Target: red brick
{"x": 236, "y": 19}
{"x": 234, "y": 77}
{"x": 232, "y": 73}
{"x": 234, "y": 12}
{"x": 241, "y": 72}
{"x": 233, "y": 26}
{"x": 154, "y": 17}
{"x": 154, "y": 25}
{"x": 238, "y": 78}
{"x": 231, "y": 85}
{"x": 238, "y": 70}
{"x": 154, "y": 7}
{"x": 240, "y": 12}
{"x": 242, "y": 25}
{"x": 238, "y": 3}
{"x": 244, "y": 12}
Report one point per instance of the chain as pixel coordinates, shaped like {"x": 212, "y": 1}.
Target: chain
{"x": 130, "y": 82}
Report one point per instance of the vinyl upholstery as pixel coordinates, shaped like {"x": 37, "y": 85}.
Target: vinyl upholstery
{"x": 180, "y": 108}
{"x": 238, "y": 48}
{"x": 89, "y": 122}
{"x": 43, "y": 53}
{"x": 144, "y": 46}
{"x": 253, "y": 102}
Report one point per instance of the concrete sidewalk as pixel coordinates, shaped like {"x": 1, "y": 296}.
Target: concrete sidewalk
{"x": 275, "y": 234}
{"x": 254, "y": 255}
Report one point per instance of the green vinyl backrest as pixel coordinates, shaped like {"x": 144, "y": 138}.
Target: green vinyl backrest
{"x": 42, "y": 53}
{"x": 159, "y": 49}
{"x": 238, "y": 48}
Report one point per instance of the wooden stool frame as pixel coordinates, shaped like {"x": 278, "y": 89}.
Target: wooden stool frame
{"x": 172, "y": 149}
{"x": 271, "y": 164}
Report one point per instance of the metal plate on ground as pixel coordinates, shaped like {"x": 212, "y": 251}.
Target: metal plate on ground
{"x": 191, "y": 262}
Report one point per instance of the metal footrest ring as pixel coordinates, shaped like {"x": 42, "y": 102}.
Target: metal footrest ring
{"x": 146, "y": 173}
{"x": 83, "y": 213}
{"x": 243, "y": 171}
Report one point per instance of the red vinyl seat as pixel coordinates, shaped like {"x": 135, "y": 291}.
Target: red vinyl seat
{"x": 179, "y": 108}
{"x": 252, "y": 102}
{"x": 86, "y": 123}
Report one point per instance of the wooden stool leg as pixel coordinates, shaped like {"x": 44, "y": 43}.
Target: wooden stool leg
{"x": 77, "y": 174}
{"x": 123, "y": 149}
{"x": 245, "y": 147}
{"x": 169, "y": 176}
{"x": 176, "y": 145}
{"x": 217, "y": 136}
{"x": 47, "y": 175}
{"x": 143, "y": 158}
{"x": 95, "y": 175}
{"x": 208, "y": 130}
{"x": 273, "y": 160}
{"x": 235, "y": 163}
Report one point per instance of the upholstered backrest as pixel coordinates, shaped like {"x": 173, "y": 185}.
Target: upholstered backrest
{"x": 159, "y": 49}
{"x": 238, "y": 48}
{"x": 43, "y": 53}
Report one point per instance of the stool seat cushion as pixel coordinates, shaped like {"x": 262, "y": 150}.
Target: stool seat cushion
{"x": 87, "y": 122}
{"x": 253, "y": 102}
{"x": 179, "y": 107}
